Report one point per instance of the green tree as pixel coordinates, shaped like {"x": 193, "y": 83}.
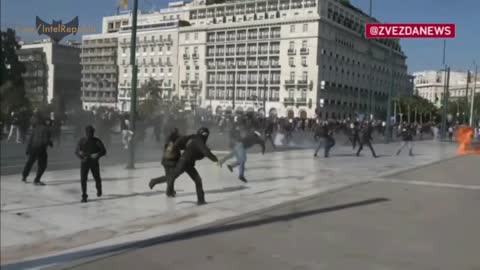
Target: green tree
{"x": 151, "y": 89}
{"x": 12, "y": 89}
{"x": 151, "y": 93}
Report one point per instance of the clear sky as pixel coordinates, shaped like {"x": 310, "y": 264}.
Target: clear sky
{"x": 422, "y": 53}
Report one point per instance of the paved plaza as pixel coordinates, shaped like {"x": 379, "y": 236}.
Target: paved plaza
{"x": 48, "y": 225}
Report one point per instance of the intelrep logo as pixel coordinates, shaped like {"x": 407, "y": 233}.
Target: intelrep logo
{"x": 58, "y": 30}
{"x": 405, "y": 30}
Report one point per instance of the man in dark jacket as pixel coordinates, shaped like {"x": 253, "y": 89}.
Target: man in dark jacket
{"x": 171, "y": 154}
{"x": 240, "y": 152}
{"x": 407, "y": 132}
{"x": 90, "y": 149}
{"x": 195, "y": 149}
{"x": 37, "y": 145}
{"x": 269, "y": 129}
{"x": 366, "y": 139}
{"x": 325, "y": 135}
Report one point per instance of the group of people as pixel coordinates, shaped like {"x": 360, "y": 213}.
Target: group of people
{"x": 181, "y": 149}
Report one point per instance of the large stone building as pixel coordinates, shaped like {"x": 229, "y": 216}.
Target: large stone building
{"x": 430, "y": 85}
{"x": 53, "y": 73}
{"x": 303, "y": 58}
{"x": 99, "y": 71}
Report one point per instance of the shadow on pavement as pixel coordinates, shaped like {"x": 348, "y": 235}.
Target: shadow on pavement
{"x": 69, "y": 257}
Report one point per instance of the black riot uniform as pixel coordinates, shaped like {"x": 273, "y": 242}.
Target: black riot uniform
{"x": 269, "y": 129}
{"x": 366, "y": 139}
{"x": 90, "y": 149}
{"x": 195, "y": 149}
{"x": 171, "y": 155}
{"x": 37, "y": 145}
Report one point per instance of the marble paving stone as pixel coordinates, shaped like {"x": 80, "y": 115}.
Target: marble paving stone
{"x": 50, "y": 220}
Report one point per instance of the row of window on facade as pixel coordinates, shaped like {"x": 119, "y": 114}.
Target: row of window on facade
{"x": 152, "y": 38}
{"x": 241, "y": 49}
{"x": 242, "y": 62}
{"x": 242, "y": 92}
{"x": 252, "y": 8}
{"x": 160, "y": 62}
{"x": 262, "y": 33}
{"x": 99, "y": 41}
{"x": 100, "y": 94}
{"x": 152, "y": 49}
{"x": 243, "y": 77}
{"x": 100, "y": 59}
{"x": 109, "y": 68}
{"x": 253, "y": 17}
{"x": 383, "y": 67}
{"x": 166, "y": 83}
{"x": 333, "y": 88}
{"x": 355, "y": 24}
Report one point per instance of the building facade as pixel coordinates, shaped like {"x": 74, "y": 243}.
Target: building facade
{"x": 301, "y": 58}
{"x": 99, "y": 71}
{"x": 430, "y": 85}
{"x": 53, "y": 73}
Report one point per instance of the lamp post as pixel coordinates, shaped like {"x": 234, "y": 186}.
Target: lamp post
{"x": 473, "y": 94}
{"x": 133, "y": 100}
{"x": 265, "y": 97}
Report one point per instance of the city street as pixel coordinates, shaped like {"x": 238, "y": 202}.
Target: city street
{"x": 48, "y": 225}
{"x": 390, "y": 223}
{"x": 62, "y": 157}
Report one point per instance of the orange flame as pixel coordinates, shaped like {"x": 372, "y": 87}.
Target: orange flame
{"x": 464, "y": 138}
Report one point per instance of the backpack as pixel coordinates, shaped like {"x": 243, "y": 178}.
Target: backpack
{"x": 170, "y": 152}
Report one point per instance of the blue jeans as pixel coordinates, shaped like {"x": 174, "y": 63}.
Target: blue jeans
{"x": 241, "y": 154}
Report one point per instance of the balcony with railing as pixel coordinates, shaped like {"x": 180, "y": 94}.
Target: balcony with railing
{"x": 211, "y": 53}
{"x": 220, "y": 38}
{"x": 288, "y": 100}
{"x": 263, "y": 35}
{"x": 231, "y": 38}
{"x": 272, "y": 8}
{"x": 230, "y": 53}
{"x": 241, "y": 37}
{"x": 220, "y": 66}
{"x": 241, "y": 65}
{"x": 275, "y": 65}
{"x": 274, "y": 51}
{"x": 275, "y": 35}
{"x": 296, "y": 5}
{"x": 211, "y": 38}
{"x": 195, "y": 56}
{"x": 302, "y": 100}
{"x": 304, "y": 51}
{"x": 274, "y": 99}
{"x": 240, "y": 52}
{"x": 252, "y": 36}
{"x": 289, "y": 82}
{"x": 253, "y": 65}
{"x": 302, "y": 82}
{"x": 220, "y": 53}
{"x": 292, "y": 51}
{"x": 263, "y": 50}
{"x": 275, "y": 81}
